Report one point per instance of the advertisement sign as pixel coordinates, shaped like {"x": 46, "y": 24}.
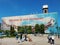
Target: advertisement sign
{"x": 48, "y": 19}
{"x": 35, "y": 19}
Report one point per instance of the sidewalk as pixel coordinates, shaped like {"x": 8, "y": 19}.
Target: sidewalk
{"x": 36, "y": 40}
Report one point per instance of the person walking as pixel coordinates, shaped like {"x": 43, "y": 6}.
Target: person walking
{"x": 29, "y": 38}
{"x": 53, "y": 41}
{"x": 25, "y": 37}
{"x": 49, "y": 38}
{"x": 21, "y": 37}
{"x": 17, "y": 37}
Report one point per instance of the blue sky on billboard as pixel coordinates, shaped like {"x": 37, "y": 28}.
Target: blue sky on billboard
{"x": 25, "y": 7}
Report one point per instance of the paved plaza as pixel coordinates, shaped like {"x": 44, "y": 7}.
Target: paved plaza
{"x": 36, "y": 40}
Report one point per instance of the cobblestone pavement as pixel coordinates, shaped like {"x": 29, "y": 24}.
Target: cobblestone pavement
{"x": 36, "y": 40}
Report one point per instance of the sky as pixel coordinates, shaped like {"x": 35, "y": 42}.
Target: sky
{"x": 26, "y": 7}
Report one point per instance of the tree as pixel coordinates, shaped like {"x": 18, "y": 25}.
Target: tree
{"x": 42, "y": 27}
{"x": 12, "y": 31}
{"x": 37, "y": 28}
{"x": 29, "y": 29}
{"x": 20, "y": 29}
{"x": 7, "y": 32}
{"x": 1, "y": 31}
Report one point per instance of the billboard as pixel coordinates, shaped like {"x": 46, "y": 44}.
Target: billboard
{"x": 48, "y": 19}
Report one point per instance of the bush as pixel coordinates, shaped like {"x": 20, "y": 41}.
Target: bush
{"x": 29, "y": 31}
{"x": 21, "y": 31}
{"x": 7, "y": 32}
{"x": 1, "y": 31}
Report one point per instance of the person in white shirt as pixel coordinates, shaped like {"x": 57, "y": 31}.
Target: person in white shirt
{"x": 52, "y": 41}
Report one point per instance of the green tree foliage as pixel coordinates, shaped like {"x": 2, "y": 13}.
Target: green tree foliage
{"x": 37, "y": 28}
{"x": 42, "y": 28}
{"x": 7, "y": 32}
{"x": 29, "y": 29}
{"x": 1, "y": 31}
{"x": 25, "y": 29}
{"x": 12, "y": 31}
{"x": 20, "y": 29}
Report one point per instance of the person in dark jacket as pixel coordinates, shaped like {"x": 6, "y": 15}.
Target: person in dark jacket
{"x": 25, "y": 37}
{"x": 21, "y": 37}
